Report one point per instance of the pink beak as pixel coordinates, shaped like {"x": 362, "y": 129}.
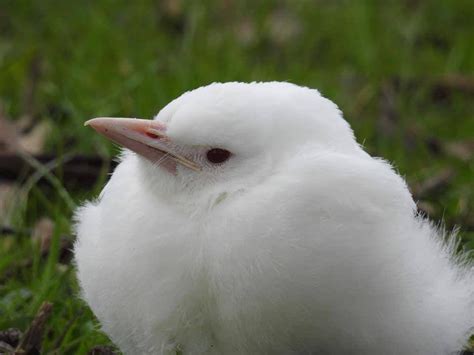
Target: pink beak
{"x": 145, "y": 137}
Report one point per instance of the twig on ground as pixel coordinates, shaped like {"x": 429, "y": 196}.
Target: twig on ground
{"x": 30, "y": 343}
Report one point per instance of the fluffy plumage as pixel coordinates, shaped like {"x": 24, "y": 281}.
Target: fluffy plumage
{"x": 300, "y": 243}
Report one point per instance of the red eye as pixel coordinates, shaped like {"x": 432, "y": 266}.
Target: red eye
{"x": 217, "y": 156}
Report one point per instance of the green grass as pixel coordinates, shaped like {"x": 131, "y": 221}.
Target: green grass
{"x": 123, "y": 58}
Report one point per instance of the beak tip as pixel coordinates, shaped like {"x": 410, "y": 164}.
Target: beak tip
{"x": 91, "y": 122}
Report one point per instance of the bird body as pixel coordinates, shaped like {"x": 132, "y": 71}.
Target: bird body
{"x": 298, "y": 243}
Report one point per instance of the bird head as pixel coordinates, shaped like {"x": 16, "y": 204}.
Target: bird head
{"x": 228, "y": 137}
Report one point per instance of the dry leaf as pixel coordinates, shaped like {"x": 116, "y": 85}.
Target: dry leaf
{"x": 34, "y": 141}
{"x": 43, "y": 232}
{"x": 463, "y": 150}
{"x": 12, "y": 140}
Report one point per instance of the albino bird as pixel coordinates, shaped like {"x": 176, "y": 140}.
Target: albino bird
{"x": 246, "y": 219}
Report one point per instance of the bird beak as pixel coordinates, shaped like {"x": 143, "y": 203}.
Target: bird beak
{"x": 145, "y": 137}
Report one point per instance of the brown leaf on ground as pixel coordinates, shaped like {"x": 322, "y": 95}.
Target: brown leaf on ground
{"x": 462, "y": 150}
{"x": 13, "y": 138}
{"x": 34, "y": 141}
{"x": 42, "y": 233}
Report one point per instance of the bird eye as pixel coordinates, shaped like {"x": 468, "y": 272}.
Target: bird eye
{"x": 217, "y": 155}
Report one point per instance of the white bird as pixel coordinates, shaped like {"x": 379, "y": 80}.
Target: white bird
{"x": 247, "y": 220}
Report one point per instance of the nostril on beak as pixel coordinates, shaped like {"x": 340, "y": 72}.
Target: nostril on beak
{"x": 152, "y": 135}
{"x": 155, "y": 134}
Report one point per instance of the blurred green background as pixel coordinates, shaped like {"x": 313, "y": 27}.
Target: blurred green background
{"x": 401, "y": 71}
